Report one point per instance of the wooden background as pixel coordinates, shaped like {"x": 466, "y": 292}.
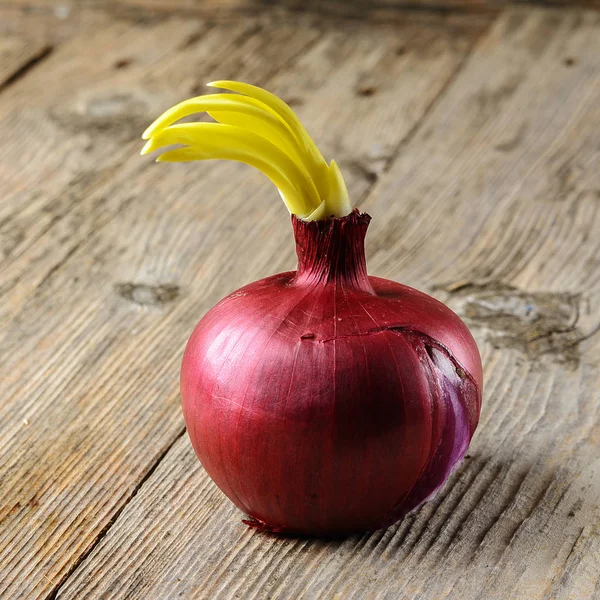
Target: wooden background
{"x": 469, "y": 130}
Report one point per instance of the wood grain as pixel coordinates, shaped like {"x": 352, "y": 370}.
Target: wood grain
{"x": 380, "y": 10}
{"x": 66, "y": 139}
{"x": 383, "y": 10}
{"x": 56, "y": 411}
{"x": 120, "y": 257}
{"x": 473, "y": 210}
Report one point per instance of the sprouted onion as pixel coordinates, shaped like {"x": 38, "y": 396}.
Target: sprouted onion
{"x": 322, "y": 401}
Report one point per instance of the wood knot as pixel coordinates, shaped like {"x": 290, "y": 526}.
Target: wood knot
{"x": 148, "y": 295}
{"x": 114, "y": 105}
{"x": 536, "y": 323}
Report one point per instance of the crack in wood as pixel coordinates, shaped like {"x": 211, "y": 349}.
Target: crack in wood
{"x": 574, "y": 545}
{"x": 35, "y": 60}
{"x": 56, "y": 590}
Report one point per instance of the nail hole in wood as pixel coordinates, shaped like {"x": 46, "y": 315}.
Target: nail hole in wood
{"x": 366, "y": 90}
{"x": 123, "y": 63}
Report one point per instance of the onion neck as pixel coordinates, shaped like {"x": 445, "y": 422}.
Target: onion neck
{"x": 332, "y": 250}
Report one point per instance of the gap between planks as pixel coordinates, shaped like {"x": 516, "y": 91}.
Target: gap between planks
{"x": 57, "y": 586}
{"x": 27, "y": 66}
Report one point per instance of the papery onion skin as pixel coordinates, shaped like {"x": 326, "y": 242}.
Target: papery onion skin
{"x": 323, "y": 401}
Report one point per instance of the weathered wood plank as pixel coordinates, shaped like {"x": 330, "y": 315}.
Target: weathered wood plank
{"x": 62, "y": 509}
{"x": 95, "y": 321}
{"x": 65, "y": 138}
{"x": 470, "y": 206}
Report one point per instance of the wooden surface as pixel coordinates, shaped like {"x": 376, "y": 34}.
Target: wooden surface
{"x": 343, "y": 7}
{"x": 474, "y": 145}
{"x": 374, "y": 11}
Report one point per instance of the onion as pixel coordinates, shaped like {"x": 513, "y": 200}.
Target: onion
{"x": 322, "y": 401}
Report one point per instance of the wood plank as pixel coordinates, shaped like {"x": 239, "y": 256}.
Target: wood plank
{"x": 52, "y": 511}
{"x": 480, "y": 219}
{"x": 95, "y": 321}
{"x": 66, "y": 138}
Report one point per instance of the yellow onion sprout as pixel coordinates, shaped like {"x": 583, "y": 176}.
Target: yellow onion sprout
{"x": 259, "y": 129}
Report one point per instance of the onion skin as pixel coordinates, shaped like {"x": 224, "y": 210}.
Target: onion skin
{"x": 325, "y": 402}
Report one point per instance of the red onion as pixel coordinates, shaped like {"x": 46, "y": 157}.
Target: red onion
{"x": 324, "y": 401}
{"x": 321, "y": 401}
